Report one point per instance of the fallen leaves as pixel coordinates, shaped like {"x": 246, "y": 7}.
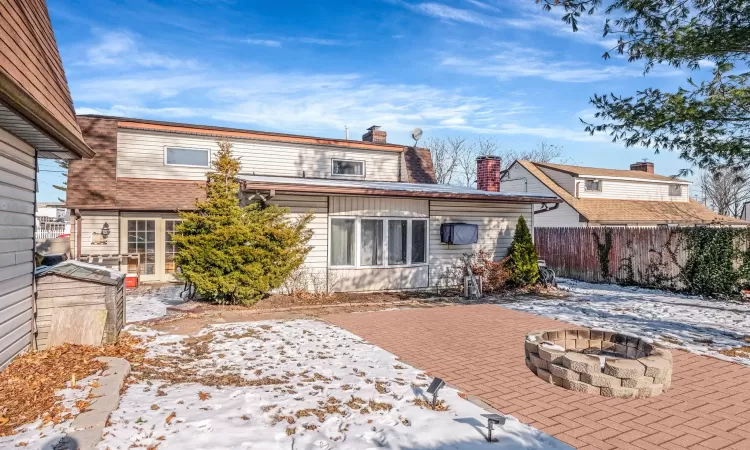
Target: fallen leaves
{"x": 204, "y": 395}
{"x": 29, "y": 385}
{"x": 169, "y": 418}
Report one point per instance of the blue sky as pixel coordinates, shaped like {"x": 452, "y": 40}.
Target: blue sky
{"x": 492, "y": 68}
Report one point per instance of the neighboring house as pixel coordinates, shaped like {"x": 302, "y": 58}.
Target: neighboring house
{"x": 598, "y": 197}
{"x": 52, "y": 220}
{"x": 36, "y": 121}
{"x": 377, "y": 209}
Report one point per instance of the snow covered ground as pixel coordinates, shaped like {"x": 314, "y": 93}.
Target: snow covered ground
{"x": 293, "y": 385}
{"x": 149, "y": 302}
{"x": 678, "y": 321}
{"x": 47, "y": 437}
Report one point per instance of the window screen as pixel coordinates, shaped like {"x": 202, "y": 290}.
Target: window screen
{"x": 342, "y": 167}
{"x": 396, "y": 242}
{"x": 675, "y": 190}
{"x": 371, "y": 252}
{"x": 187, "y": 157}
{"x": 342, "y": 242}
{"x": 418, "y": 241}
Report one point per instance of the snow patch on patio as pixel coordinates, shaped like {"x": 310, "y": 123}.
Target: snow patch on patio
{"x": 673, "y": 320}
{"x": 332, "y": 391}
{"x": 151, "y": 302}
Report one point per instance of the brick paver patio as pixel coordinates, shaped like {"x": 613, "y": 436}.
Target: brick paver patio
{"x": 480, "y": 349}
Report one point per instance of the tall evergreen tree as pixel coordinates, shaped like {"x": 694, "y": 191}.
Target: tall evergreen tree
{"x": 707, "y": 121}
{"x": 522, "y": 257}
{"x": 234, "y": 254}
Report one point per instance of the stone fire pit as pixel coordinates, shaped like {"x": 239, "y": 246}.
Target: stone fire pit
{"x": 600, "y": 362}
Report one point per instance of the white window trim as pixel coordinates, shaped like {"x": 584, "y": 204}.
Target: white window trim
{"x": 358, "y": 243}
{"x": 167, "y": 147}
{"x": 345, "y": 175}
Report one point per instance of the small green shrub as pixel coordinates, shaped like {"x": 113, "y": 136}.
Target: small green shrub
{"x": 522, "y": 257}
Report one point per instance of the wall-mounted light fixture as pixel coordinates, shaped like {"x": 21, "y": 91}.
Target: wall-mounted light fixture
{"x": 105, "y": 230}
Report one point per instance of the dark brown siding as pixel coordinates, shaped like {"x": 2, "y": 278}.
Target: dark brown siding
{"x": 29, "y": 58}
{"x": 93, "y": 182}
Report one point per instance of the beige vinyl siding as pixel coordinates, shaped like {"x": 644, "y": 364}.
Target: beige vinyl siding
{"x": 379, "y": 278}
{"x": 92, "y": 222}
{"x": 563, "y": 216}
{"x": 298, "y": 205}
{"x": 566, "y": 181}
{"x": 378, "y": 207}
{"x": 497, "y": 222}
{"x": 140, "y": 154}
{"x": 634, "y": 190}
{"x": 17, "y": 198}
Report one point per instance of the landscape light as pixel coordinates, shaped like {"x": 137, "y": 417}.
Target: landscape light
{"x": 493, "y": 419}
{"x": 435, "y": 386}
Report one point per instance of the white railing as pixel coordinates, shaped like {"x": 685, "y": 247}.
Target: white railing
{"x": 46, "y": 231}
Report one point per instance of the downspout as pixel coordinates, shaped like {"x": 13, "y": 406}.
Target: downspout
{"x": 79, "y": 226}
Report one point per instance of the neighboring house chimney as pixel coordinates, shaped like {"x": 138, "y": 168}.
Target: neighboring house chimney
{"x": 643, "y": 166}
{"x": 375, "y": 134}
{"x": 488, "y": 173}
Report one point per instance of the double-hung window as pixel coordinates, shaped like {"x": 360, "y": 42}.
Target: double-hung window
{"x": 380, "y": 242}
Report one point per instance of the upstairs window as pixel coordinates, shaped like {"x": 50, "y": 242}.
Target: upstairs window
{"x": 593, "y": 185}
{"x": 347, "y": 167}
{"x": 193, "y": 157}
{"x": 675, "y": 190}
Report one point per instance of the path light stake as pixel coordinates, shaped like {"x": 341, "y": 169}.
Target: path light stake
{"x": 493, "y": 419}
{"x": 435, "y": 386}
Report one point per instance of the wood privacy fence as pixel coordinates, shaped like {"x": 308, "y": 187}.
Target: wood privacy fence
{"x": 643, "y": 256}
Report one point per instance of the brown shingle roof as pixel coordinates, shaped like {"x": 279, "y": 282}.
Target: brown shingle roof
{"x": 597, "y": 172}
{"x": 158, "y": 195}
{"x": 419, "y": 167}
{"x": 632, "y": 211}
{"x": 32, "y": 79}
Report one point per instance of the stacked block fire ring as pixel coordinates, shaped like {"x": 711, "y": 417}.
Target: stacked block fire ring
{"x": 603, "y": 362}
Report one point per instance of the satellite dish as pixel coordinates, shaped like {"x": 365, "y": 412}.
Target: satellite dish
{"x": 416, "y": 134}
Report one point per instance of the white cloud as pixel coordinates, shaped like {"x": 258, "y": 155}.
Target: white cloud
{"x": 118, "y": 48}
{"x": 485, "y": 6}
{"x": 510, "y": 62}
{"x": 265, "y": 42}
{"x": 319, "y": 41}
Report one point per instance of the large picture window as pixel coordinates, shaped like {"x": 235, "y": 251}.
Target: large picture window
{"x": 382, "y": 242}
{"x": 175, "y": 156}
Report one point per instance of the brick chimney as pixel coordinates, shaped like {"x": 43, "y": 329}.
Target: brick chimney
{"x": 643, "y": 166}
{"x": 375, "y": 134}
{"x": 488, "y": 173}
